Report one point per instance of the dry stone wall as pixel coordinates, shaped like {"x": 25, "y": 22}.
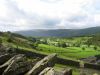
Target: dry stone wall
{"x": 19, "y": 64}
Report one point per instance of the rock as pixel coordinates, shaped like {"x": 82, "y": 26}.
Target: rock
{"x": 45, "y": 71}
{"x": 67, "y": 72}
{"x": 4, "y": 58}
{"x": 64, "y": 72}
{"x": 14, "y": 58}
{"x": 2, "y": 49}
{"x": 42, "y": 64}
{"x": 10, "y": 65}
{"x": 95, "y": 74}
{"x": 91, "y": 59}
{"x": 17, "y": 69}
{"x": 48, "y": 71}
{"x": 20, "y": 65}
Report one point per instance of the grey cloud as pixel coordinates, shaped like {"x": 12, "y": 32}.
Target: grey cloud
{"x": 78, "y": 18}
{"x": 50, "y": 22}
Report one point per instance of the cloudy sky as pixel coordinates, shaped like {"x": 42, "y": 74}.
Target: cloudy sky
{"x": 48, "y": 14}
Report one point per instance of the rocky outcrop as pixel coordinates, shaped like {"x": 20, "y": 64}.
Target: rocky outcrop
{"x": 42, "y": 64}
{"x": 67, "y": 72}
{"x": 4, "y": 57}
{"x": 18, "y": 64}
{"x": 48, "y": 71}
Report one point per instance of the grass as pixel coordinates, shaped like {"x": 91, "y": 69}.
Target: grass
{"x": 75, "y": 70}
{"x": 70, "y": 52}
{"x": 60, "y": 67}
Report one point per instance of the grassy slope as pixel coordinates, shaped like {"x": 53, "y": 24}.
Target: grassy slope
{"x": 69, "y": 52}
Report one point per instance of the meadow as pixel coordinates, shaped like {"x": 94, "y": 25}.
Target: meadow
{"x": 69, "y": 52}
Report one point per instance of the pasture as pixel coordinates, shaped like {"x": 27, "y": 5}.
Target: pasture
{"x": 69, "y": 52}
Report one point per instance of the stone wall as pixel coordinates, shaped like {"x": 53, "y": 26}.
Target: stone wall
{"x": 93, "y": 66}
{"x": 61, "y": 60}
{"x": 19, "y": 64}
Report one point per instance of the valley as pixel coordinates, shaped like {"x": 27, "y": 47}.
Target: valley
{"x": 71, "y": 51}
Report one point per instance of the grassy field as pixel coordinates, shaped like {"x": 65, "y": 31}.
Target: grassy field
{"x": 59, "y": 67}
{"x": 69, "y": 52}
{"x": 76, "y": 71}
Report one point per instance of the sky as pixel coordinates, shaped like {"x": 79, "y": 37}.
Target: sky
{"x": 18, "y": 15}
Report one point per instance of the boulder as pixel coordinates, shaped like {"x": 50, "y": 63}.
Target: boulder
{"x": 48, "y": 71}
{"x": 13, "y": 64}
{"x": 48, "y": 61}
{"x": 4, "y": 58}
{"x": 67, "y": 72}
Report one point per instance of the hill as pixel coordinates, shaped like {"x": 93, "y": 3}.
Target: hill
{"x": 12, "y": 39}
{"x": 60, "y": 32}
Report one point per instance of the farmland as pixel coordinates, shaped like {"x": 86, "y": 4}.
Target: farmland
{"x": 69, "y": 52}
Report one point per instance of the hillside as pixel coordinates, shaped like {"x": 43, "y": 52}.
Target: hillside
{"x": 67, "y": 49}
{"x": 60, "y": 32}
{"x": 16, "y": 40}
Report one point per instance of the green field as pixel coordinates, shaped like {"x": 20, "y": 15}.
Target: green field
{"x": 69, "y": 52}
{"x": 59, "y": 67}
{"x": 76, "y": 71}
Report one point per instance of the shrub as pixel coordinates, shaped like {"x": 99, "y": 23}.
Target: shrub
{"x": 95, "y": 48}
{"x": 83, "y": 48}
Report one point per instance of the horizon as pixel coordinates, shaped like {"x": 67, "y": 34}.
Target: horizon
{"x": 17, "y": 15}
{"x": 48, "y": 29}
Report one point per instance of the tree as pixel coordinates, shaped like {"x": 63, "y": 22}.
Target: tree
{"x": 95, "y": 48}
{"x": 63, "y": 45}
{"x": 83, "y": 48}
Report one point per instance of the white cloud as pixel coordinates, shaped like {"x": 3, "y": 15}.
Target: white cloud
{"x": 3, "y": 9}
{"x": 97, "y": 18}
{"x": 59, "y": 8}
{"x": 30, "y": 14}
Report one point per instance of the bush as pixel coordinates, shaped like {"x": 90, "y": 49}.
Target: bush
{"x": 83, "y": 48}
{"x": 95, "y": 48}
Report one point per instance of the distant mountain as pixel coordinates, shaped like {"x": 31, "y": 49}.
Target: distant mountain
{"x": 60, "y": 32}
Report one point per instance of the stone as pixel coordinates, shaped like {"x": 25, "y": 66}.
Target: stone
{"x": 48, "y": 61}
{"x": 67, "y": 72}
{"x": 48, "y": 71}
{"x": 6, "y": 63}
{"x": 4, "y": 58}
{"x": 10, "y": 63}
